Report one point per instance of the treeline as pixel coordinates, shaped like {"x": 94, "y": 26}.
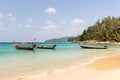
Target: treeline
{"x": 107, "y": 29}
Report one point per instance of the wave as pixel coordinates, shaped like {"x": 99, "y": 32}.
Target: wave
{"x": 40, "y": 76}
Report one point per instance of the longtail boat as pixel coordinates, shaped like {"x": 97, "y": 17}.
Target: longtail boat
{"x": 17, "y": 46}
{"x": 91, "y": 47}
{"x": 46, "y": 47}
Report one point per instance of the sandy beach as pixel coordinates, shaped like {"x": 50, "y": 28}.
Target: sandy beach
{"x": 104, "y": 64}
{"x": 105, "y": 68}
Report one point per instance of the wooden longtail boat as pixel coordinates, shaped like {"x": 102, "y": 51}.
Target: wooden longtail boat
{"x": 91, "y": 47}
{"x": 23, "y": 47}
{"x": 17, "y": 46}
{"x": 46, "y": 47}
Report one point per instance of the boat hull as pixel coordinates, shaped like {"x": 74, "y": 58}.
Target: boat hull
{"x": 46, "y": 47}
{"x": 90, "y": 47}
{"x": 23, "y": 47}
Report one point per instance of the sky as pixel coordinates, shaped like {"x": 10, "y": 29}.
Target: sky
{"x": 26, "y": 20}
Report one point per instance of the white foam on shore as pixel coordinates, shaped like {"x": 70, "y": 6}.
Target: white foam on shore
{"x": 40, "y": 76}
{"x": 59, "y": 70}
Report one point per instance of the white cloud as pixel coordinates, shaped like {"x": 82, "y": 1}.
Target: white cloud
{"x": 30, "y": 20}
{"x": 77, "y": 21}
{"x": 11, "y": 16}
{"x": 28, "y": 25}
{"x": 50, "y": 25}
{"x": 51, "y": 10}
{"x": 20, "y": 25}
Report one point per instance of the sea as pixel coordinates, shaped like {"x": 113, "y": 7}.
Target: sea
{"x": 15, "y": 64}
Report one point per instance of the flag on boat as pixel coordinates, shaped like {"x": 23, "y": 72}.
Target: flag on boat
{"x": 24, "y": 42}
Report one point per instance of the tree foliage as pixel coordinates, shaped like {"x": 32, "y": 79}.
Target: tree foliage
{"x": 108, "y": 29}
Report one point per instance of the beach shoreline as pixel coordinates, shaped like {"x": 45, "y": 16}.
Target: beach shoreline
{"x": 98, "y": 69}
{"x": 95, "y": 42}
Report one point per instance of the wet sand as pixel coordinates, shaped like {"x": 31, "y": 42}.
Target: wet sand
{"x": 101, "y": 69}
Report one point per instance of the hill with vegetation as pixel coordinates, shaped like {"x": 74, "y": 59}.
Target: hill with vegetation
{"x": 58, "y": 40}
{"x": 107, "y": 29}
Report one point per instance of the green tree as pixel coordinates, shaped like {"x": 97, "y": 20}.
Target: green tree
{"x": 107, "y": 29}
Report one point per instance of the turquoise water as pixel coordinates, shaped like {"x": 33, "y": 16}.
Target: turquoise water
{"x": 15, "y": 63}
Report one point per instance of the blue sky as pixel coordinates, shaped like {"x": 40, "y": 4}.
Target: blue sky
{"x": 24, "y": 20}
